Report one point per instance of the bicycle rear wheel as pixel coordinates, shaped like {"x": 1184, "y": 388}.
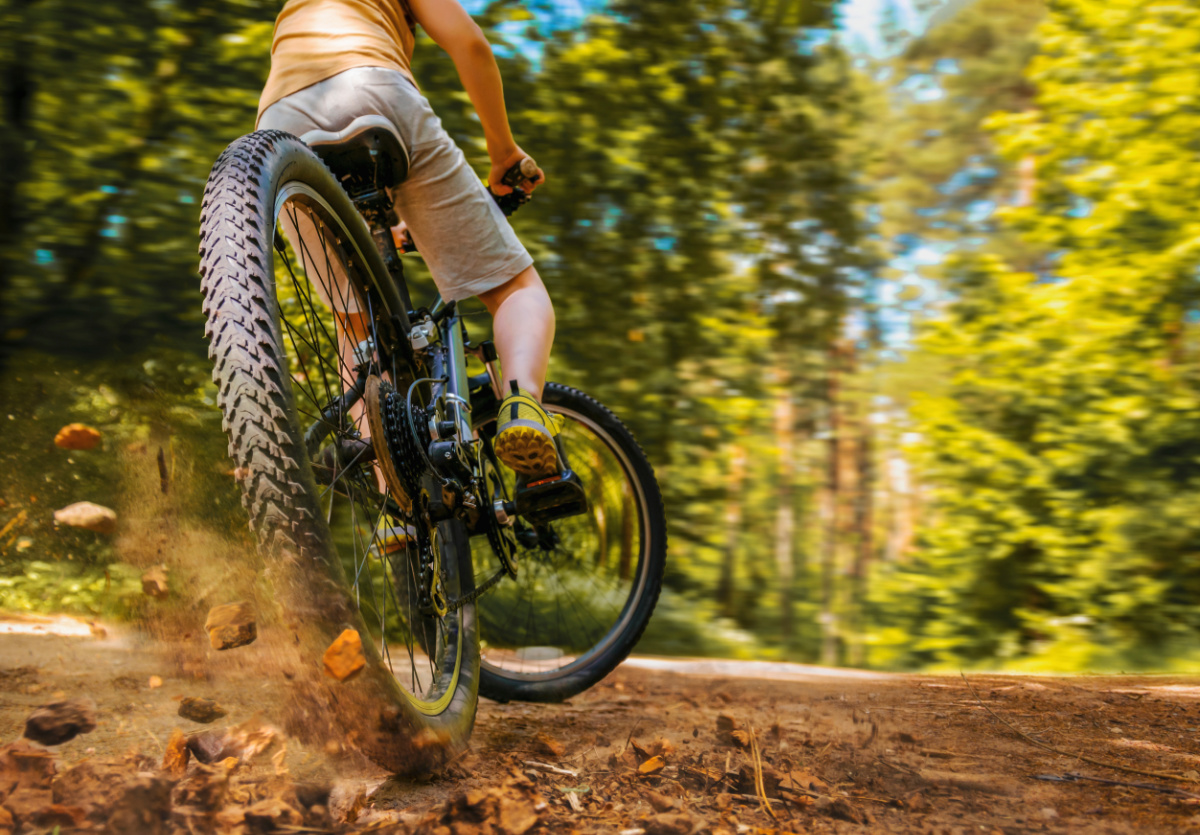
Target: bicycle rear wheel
{"x": 292, "y": 282}
{"x": 586, "y": 585}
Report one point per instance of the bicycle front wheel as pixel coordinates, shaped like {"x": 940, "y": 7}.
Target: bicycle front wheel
{"x": 299, "y": 316}
{"x": 586, "y": 585}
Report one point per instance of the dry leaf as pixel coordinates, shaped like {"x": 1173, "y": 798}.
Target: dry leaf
{"x": 76, "y": 436}
{"x": 726, "y": 723}
{"x": 662, "y": 746}
{"x": 742, "y": 738}
{"x": 805, "y": 781}
{"x": 652, "y": 766}
{"x": 155, "y": 682}
{"x": 175, "y": 759}
{"x": 548, "y": 745}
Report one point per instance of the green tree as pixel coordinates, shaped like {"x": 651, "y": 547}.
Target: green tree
{"x": 1064, "y": 448}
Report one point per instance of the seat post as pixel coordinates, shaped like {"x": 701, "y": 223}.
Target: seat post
{"x": 375, "y": 207}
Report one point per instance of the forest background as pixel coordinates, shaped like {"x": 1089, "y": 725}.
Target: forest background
{"x": 910, "y": 337}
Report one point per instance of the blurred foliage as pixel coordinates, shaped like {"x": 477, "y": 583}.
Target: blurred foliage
{"x": 700, "y": 235}
{"x": 1063, "y": 454}
{"x": 724, "y": 189}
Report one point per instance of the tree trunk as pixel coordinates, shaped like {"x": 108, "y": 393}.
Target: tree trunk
{"x": 829, "y": 539}
{"x": 864, "y": 523}
{"x": 785, "y": 524}
{"x": 733, "y": 529}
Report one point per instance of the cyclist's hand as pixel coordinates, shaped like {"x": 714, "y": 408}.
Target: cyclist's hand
{"x": 501, "y": 166}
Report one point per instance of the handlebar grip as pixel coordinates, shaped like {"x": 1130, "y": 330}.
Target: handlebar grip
{"x": 524, "y": 170}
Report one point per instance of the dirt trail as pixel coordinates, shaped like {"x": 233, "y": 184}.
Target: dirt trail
{"x": 840, "y": 750}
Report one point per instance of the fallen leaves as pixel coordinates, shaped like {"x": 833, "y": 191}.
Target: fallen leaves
{"x": 548, "y": 745}
{"x": 25, "y": 775}
{"x": 89, "y": 516}
{"x": 241, "y": 743}
{"x": 61, "y": 722}
{"x": 344, "y": 658}
{"x": 231, "y": 625}
{"x": 77, "y": 436}
{"x": 175, "y": 758}
{"x": 652, "y": 766}
{"x": 512, "y": 808}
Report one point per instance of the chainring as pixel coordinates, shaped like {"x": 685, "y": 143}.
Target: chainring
{"x": 401, "y": 462}
{"x": 375, "y": 399}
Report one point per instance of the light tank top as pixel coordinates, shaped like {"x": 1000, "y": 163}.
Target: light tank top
{"x": 317, "y": 39}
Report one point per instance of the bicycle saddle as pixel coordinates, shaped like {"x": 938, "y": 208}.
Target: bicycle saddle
{"x": 366, "y": 149}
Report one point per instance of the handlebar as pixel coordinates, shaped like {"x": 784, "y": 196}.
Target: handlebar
{"x": 524, "y": 171}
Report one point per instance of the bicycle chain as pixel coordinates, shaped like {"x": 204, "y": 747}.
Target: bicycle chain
{"x": 488, "y": 585}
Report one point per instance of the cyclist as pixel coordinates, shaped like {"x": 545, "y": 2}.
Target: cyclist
{"x": 335, "y": 60}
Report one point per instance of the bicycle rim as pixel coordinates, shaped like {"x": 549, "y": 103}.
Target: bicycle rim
{"x": 575, "y": 593}
{"x": 319, "y": 290}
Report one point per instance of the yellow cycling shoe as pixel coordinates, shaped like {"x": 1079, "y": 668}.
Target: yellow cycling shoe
{"x": 525, "y": 435}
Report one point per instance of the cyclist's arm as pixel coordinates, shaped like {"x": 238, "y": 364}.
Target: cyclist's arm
{"x": 454, "y": 31}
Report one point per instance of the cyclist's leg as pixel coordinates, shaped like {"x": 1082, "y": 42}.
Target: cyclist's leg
{"x": 523, "y": 329}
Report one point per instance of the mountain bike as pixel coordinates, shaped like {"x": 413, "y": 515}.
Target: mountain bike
{"x": 361, "y": 429}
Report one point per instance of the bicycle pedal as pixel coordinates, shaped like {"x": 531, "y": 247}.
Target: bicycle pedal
{"x": 550, "y": 498}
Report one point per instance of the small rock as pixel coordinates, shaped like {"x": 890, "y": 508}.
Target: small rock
{"x": 155, "y": 682}
{"x": 344, "y": 658}
{"x": 61, "y": 722}
{"x": 175, "y": 758}
{"x": 233, "y": 745}
{"x": 154, "y": 582}
{"x": 662, "y": 803}
{"x": 76, "y": 436}
{"x": 231, "y": 625}
{"x": 201, "y": 710}
{"x": 206, "y": 746}
{"x": 1048, "y": 814}
{"x": 89, "y": 516}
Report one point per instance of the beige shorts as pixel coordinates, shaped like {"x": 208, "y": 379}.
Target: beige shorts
{"x": 465, "y": 239}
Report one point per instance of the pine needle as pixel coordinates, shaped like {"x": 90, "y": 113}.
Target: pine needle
{"x": 759, "y": 785}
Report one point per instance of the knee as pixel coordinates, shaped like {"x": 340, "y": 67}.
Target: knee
{"x": 527, "y": 282}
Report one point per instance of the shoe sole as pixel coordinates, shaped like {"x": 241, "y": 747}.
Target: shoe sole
{"x": 527, "y": 451}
